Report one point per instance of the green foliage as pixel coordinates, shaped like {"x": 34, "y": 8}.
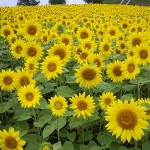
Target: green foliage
{"x": 55, "y": 2}
{"x": 28, "y": 2}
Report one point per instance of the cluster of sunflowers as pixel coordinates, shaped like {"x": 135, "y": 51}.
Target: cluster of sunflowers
{"x": 80, "y": 49}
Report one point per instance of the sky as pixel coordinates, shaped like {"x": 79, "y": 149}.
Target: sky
{"x": 42, "y": 2}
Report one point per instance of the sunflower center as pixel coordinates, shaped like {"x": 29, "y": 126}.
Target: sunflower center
{"x": 58, "y": 105}
{"x": 11, "y": 143}
{"x": 6, "y": 32}
{"x": 51, "y": 66}
{"x": 127, "y": 119}
{"x": 32, "y": 30}
{"x": 79, "y": 51}
{"x": 131, "y": 53}
{"x": 148, "y": 112}
{"x": 98, "y": 63}
{"x": 20, "y": 18}
{"x": 83, "y": 55}
{"x": 106, "y": 47}
{"x": 29, "y": 96}
{"x": 112, "y": 32}
{"x": 65, "y": 40}
{"x": 18, "y": 49}
{"x": 45, "y": 38}
{"x": 122, "y": 46}
{"x": 88, "y": 74}
{"x": 13, "y": 40}
{"x": 88, "y": 46}
{"x": 82, "y": 105}
{"x": 136, "y": 41}
{"x": 7, "y": 80}
{"x": 143, "y": 54}
{"x": 131, "y": 67}
{"x": 84, "y": 35}
{"x": 117, "y": 71}
{"x": 31, "y": 66}
{"x": 125, "y": 25}
{"x": 107, "y": 101}
{"x": 31, "y": 51}
{"x": 24, "y": 81}
{"x": 139, "y": 29}
{"x": 60, "y": 52}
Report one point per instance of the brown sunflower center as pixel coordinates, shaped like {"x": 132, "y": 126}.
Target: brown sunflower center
{"x": 143, "y": 54}
{"x": 117, "y": 71}
{"x": 98, "y": 63}
{"x": 112, "y": 32}
{"x": 79, "y": 51}
{"x": 13, "y": 40}
{"x": 122, "y": 46}
{"x": 82, "y": 105}
{"x": 7, "y": 80}
{"x": 31, "y": 66}
{"x": 31, "y": 51}
{"x": 58, "y": 105}
{"x": 127, "y": 119}
{"x": 24, "y": 81}
{"x": 20, "y": 18}
{"x": 131, "y": 53}
{"x": 136, "y": 41}
{"x": 125, "y": 25}
{"x": 139, "y": 29}
{"x": 51, "y": 66}
{"x": 89, "y": 74}
{"x": 88, "y": 46}
{"x": 60, "y": 52}
{"x": 65, "y": 41}
{"x": 131, "y": 67}
{"x": 32, "y": 30}
{"x": 6, "y": 32}
{"x": 106, "y": 47}
{"x": 84, "y": 35}
{"x": 148, "y": 112}
{"x": 18, "y": 49}
{"x": 83, "y": 55}
{"x": 107, "y": 101}
{"x": 45, "y": 38}
{"x": 29, "y": 96}
{"x": 11, "y": 143}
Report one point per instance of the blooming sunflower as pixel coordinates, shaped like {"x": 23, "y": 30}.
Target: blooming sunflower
{"x": 52, "y": 67}
{"x": 114, "y": 71}
{"x": 126, "y": 120}
{"x": 6, "y": 30}
{"x": 130, "y": 68}
{"x": 106, "y": 100}
{"x": 8, "y": 80}
{"x": 58, "y": 105}
{"x": 82, "y": 105}
{"x": 66, "y": 39}
{"x": 29, "y": 96}
{"x": 88, "y": 75}
{"x": 10, "y": 140}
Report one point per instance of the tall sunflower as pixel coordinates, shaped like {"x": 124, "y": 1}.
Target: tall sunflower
{"x": 6, "y": 30}
{"x": 58, "y": 105}
{"x": 88, "y": 76}
{"x": 10, "y": 140}
{"x": 52, "y": 67}
{"x": 29, "y": 96}
{"x": 82, "y": 105}
{"x": 8, "y": 80}
{"x": 126, "y": 120}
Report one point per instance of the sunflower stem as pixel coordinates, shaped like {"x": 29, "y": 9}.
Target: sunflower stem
{"x": 148, "y": 88}
{"x": 83, "y": 131}
{"x": 120, "y": 89}
{"x": 34, "y": 115}
{"x": 58, "y": 130}
{"x": 135, "y": 145}
{"x": 138, "y": 88}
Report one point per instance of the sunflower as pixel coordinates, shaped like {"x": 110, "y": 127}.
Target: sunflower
{"x": 16, "y": 48}
{"x": 62, "y": 51}
{"x": 130, "y": 68}
{"x": 31, "y": 66}
{"x": 29, "y": 96}
{"x": 8, "y": 80}
{"x": 58, "y": 105}
{"x": 46, "y": 146}
{"x": 6, "y": 30}
{"x": 66, "y": 39}
{"x": 45, "y": 38}
{"x": 112, "y": 31}
{"x": 24, "y": 78}
{"x": 82, "y": 105}
{"x": 52, "y": 67}
{"x": 114, "y": 71}
{"x": 11, "y": 140}
{"x": 142, "y": 53}
{"x": 106, "y": 100}
{"x": 88, "y": 76}
{"x": 12, "y": 38}
{"x": 32, "y": 50}
{"x": 126, "y": 120}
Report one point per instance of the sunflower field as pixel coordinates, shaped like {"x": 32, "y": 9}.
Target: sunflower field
{"x": 75, "y": 77}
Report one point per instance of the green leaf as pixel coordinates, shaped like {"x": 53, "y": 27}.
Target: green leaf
{"x": 68, "y": 146}
{"x": 5, "y": 106}
{"x": 43, "y": 104}
{"x": 122, "y": 148}
{"x": 24, "y": 117}
{"x": 48, "y": 130}
{"x": 71, "y": 136}
{"x": 129, "y": 87}
{"x": 57, "y": 146}
{"x": 95, "y": 148}
{"x": 65, "y": 91}
{"x": 146, "y": 145}
{"x": 84, "y": 147}
{"x": 74, "y": 122}
{"x": 126, "y": 97}
{"x": 87, "y": 136}
{"x": 92, "y": 143}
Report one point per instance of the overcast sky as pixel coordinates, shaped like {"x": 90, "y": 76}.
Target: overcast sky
{"x": 42, "y": 2}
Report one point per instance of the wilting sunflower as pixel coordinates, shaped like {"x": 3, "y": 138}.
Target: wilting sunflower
{"x": 24, "y": 78}
{"x": 114, "y": 71}
{"x": 130, "y": 68}
{"x": 6, "y": 30}
{"x": 82, "y": 105}
{"x": 29, "y": 96}
{"x": 10, "y": 140}
{"x": 142, "y": 53}
{"x": 8, "y": 80}
{"x": 58, "y": 105}
{"x": 52, "y": 67}
{"x": 62, "y": 51}
{"x": 126, "y": 120}
{"x": 17, "y": 48}
{"x": 106, "y": 100}
{"x": 32, "y": 50}
{"x": 88, "y": 76}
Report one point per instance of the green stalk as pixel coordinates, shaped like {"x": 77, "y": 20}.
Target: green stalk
{"x": 135, "y": 145}
{"x": 83, "y": 131}
{"x": 58, "y": 130}
{"x": 138, "y": 89}
{"x": 120, "y": 89}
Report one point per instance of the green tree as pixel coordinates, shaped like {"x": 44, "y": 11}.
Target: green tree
{"x": 54, "y": 2}
{"x": 28, "y": 2}
{"x": 93, "y": 1}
